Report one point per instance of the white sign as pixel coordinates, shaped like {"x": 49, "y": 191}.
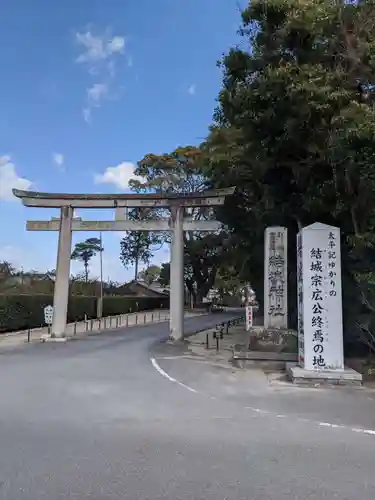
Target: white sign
{"x": 320, "y": 305}
{"x": 48, "y": 315}
{"x": 249, "y": 317}
{"x": 275, "y": 278}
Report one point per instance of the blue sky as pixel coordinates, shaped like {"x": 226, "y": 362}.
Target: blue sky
{"x": 87, "y": 89}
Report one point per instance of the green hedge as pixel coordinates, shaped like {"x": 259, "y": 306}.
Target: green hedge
{"x": 19, "y": 312}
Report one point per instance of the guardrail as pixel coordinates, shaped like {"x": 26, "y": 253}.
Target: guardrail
{"x": 222, "y": 329}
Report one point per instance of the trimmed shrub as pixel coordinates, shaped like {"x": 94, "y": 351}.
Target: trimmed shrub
{"x": 79, "y": 306}
{"x": 19, "y": 312}
{"x": 122, "y": 305}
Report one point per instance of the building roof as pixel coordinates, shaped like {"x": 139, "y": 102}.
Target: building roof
{"x": 135, "y": 285}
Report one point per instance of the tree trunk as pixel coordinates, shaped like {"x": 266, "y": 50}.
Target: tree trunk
{"x": 350, "y": 191}
{"x": 86, "y": 264}
{"x": 136, "y": 269}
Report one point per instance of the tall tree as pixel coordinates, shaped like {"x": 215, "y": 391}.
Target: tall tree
{"x": 136, "y": 248}
{"x": 150, "y": 275}
{"x": 295, "y": 127}
{"x": 181, "y": 172}
{"x": 6, "y": 270}
{"x": 164, "y": 277}
{"x": 85, "y": 251}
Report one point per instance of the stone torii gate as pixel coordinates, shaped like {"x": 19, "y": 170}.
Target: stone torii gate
{"x": 177, "y": 223}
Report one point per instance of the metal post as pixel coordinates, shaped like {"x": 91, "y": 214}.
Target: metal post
{"x": 100, "y": 301}
{"x": 61, "y": 292}
{"x": 176, "y": 320}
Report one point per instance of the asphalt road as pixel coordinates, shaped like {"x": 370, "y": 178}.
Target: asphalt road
{"x": 93, "y": 418}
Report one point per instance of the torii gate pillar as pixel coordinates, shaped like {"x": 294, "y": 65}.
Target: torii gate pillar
{"x": 61, "y": 289}
{"x": 176, "y": 298}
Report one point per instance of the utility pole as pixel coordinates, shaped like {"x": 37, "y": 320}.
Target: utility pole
{"x": 100, "y": 301}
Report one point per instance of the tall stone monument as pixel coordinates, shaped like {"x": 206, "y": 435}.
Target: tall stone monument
{"x": 320, "y": 325}
{"x": 275, "y": 277}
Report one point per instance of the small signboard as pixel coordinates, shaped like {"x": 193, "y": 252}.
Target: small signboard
{"x": 249, "y": 317}
{"x": 48, "y": 315}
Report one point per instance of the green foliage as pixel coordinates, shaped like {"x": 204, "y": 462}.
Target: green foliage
{"x": 203, "y": 256}
{"x": 176, "y": 172}
{"x": 150, "y": 274}
{"x": 294, "y": 131}
{"x": 165, "y": 274}
{"x": 181, "y": 171}
{"x": 85, "y": 251}
{"x": 122, "y": 305}
{"x": 18, "y": 312}
{"x": 136, "y": 247}
{"x": 6, "y": 270}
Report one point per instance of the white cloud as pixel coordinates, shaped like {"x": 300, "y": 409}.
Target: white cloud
{"x": 86, "y": 113}
{"x": 97, "y": 93}
{"x": 99, "y": 54}
{"x": 9, "y": 179}
{"x": 117, "y": 44}
{"x": 58, "y": 159}
{"x": 98, "y": 48}
{"x": 192, "y": 89}
{"x": 118, "y": 176}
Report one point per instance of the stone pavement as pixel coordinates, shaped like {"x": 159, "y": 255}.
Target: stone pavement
{"x": 235, "y": 339}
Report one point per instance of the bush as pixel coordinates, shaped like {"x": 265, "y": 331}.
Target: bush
{"x": 122, "y": 305}
{"x": 20, "y": 312}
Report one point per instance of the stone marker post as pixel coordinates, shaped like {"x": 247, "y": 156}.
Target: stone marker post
{"x": 275, "y": 278}
{"x": 320, "y": 330}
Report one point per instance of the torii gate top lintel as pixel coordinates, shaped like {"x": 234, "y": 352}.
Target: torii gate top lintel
{"x": 161, "y": 200}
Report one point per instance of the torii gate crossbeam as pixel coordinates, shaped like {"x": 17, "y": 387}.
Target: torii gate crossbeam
{"x": 66, "y": 223}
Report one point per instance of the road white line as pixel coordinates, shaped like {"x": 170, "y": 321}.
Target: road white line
{"x": 168, "y": 377}
{"x": 369, "y": 432}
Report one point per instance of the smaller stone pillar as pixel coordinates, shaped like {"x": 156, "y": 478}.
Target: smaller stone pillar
{"x": 275, "y": 277}
{"x": 61, "y": 292}
{"x": 177, "y": 275}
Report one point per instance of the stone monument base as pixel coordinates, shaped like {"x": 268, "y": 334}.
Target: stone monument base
{"x": 48, "y": 338}
{"x": 300, "y": 376}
